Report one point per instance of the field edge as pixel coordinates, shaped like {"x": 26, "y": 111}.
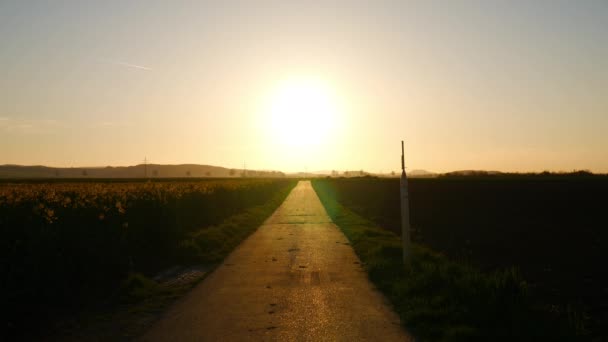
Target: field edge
{"x": 441, "y": 300}
{"x": 128, "y": 321}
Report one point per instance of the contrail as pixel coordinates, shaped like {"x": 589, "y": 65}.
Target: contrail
{"x": 128, "y": 65}
{"x": 135, "y": 66}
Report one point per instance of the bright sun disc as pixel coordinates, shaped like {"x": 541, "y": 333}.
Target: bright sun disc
{"x": 302, "y": 112}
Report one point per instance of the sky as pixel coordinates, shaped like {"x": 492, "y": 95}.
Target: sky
{"x": 306, "y": 85}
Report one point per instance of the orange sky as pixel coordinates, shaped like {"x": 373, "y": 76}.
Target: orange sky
{"x": 511, "y": 86}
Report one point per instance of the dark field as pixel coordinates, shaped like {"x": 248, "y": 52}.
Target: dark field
{"x": 552, "y": 228}
{"x": 68, "y": 245}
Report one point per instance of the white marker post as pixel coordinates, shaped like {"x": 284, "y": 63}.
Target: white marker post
{"x": 405, "y": 211}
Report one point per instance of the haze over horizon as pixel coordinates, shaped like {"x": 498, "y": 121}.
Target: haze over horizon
{"x": 290, "y": 86}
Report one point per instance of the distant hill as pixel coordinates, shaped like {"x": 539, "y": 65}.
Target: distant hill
{"x": 136, "y": 171}
{"x": 467, "y": 173}
{"x": 363, "y": 173}
{"x": 473, "y": 173}
{"x": 421, "y": 173}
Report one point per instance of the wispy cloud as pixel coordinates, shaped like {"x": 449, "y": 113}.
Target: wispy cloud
{"x": 28, "y": 125}
{"x": 127, "y": 65}
{"x": 113, "y": 124}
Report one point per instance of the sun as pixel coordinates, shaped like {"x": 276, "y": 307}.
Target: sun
{"x": 302, "y": 112}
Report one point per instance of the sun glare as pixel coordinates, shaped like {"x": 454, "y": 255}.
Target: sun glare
{"x": 302, "y": 112}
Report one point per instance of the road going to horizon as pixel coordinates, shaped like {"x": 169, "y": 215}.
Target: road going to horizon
{"x": 295, "y": 279}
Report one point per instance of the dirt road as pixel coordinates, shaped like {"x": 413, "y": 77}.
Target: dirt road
{"x": 295, "y": 279}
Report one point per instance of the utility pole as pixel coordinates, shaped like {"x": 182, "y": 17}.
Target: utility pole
{"x": 405, "y": 211}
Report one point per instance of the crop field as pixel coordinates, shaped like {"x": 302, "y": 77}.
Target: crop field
{"x": 550, "y": 228}
{"x": 66, "y": 243}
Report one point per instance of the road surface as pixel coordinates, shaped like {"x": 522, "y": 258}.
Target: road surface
{"x": 295, "y": 279}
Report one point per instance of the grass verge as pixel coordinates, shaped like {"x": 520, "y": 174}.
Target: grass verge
{"x": 442, "y": 300}
{"x": 141, "y": 300}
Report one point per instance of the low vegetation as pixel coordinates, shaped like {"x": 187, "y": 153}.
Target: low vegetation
{"x": 441, "y": 298}
{"x": 66, "y": 245}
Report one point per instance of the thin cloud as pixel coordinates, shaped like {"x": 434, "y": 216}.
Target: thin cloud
{"x": 28, "y": 125}
{"x": 113, "y": 124}
{"x": 128, "y": 65}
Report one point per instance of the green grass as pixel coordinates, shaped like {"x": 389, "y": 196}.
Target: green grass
{"x": 208, "y": 246}
{"x": 442, "y": 300}
{"x": 212, "y": 244}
